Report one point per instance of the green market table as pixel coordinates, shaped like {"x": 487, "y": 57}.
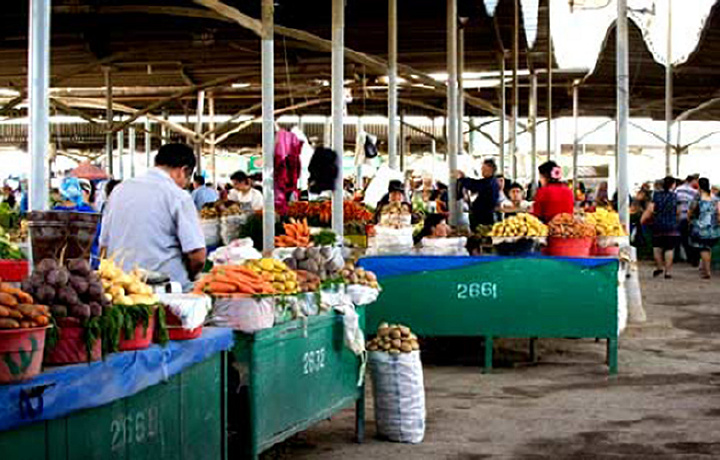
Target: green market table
{"x": 163, "y": 402}
{"x": 287, "y": 378}
{"x": 490, "y": 297}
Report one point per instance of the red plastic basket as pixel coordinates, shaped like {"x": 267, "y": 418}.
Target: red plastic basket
{"x": 609, "y": 251}
{"x": 14, "y": 271}
{"x": 70, "y": 347}
{"x": 141, "y": 339}
{"x": 21, "y": 353}
{"x": 569, "y": 247}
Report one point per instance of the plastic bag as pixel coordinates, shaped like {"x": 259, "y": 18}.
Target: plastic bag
{"x": 246, "y": 314}
{"x": 443, "y": 246}
{"x": 362, "y": 295}
{"x": 235, "y": 253}
{"x": 191, "y": 309}
{"x": 399, "y": 395}
{"x": 211, "y": 230}
{"x": 230, "y": 227}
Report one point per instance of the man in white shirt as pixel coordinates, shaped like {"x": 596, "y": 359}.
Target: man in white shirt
{"x": 151, "y": 221}
{"x": 244, "y": 193}
{"x": 516, "y": 203}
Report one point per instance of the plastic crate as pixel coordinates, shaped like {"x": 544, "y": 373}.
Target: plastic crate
{"x": 14, "y": 271}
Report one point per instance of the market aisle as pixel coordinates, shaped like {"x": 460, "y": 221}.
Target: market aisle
{"x": 664, "y": 404}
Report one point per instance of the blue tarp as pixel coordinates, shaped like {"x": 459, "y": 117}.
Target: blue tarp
{"x": 60, "y": 391}
{"x": 388, "y": 266}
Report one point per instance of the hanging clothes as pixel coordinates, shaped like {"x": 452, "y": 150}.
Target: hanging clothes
{"x": 287, "y": 168}
{"x": 323, "y": 170}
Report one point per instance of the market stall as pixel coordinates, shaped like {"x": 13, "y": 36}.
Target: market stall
{"x": 492, "y": 296}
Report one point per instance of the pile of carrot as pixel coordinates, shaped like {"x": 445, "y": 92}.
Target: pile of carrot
{"x": 297, "y": 234}
{"x": 18, "y": 309}
{"x": 234, "y": 279}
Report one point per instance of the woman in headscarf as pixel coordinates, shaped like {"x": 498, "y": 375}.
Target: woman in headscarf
{"x": 76, "y": 195}
{"x": 554, "y": 196}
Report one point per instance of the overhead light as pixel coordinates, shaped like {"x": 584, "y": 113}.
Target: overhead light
{"x": 240, "y": 85}
{"x": 386, "y": 80}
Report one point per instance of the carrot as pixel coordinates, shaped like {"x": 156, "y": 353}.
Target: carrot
{"x": 28, "y": 311}
{"x": 218, "y": 287}
{"x": 41, "y": 320}
{"x": 4, "y": 312}
{"x": 8, "y": 299}
{"x": 233, "y": 278}
{"x": 7, "y": 323}
{"x": 15, "y": 314}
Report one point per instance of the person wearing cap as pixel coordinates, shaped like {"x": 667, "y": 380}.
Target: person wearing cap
{"x": 151, "y": 221}
{"x": 395, "y": 194}
{"x": 76, "y": 194}
{"x": 487, "y": 189}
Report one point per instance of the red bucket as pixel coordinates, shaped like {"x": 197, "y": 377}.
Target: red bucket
{"x": 609, "y": 251}
{"x": 14, "y": 271}
{"x": 21, "y": 353}
{"x": 175, "y": 329}
{"x": 70, "y": 347}
{"x": 141, "y": 339}
{"x": 569, "y": 247}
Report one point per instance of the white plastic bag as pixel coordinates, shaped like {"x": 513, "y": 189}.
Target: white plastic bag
{"x": 246, "y": 314}
{"x": 399, "y": 395}
{"x": 362, "y": 295}
{"x": 191, "y": 309}
{"x": 443, "y": 246}
{"x": 235, "y": 253}
{"x": 211, "y": 230}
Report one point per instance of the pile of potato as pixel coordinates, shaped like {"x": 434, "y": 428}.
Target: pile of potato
{"x": 18, "y": 309}
{"x": 126, "y": 289}
{"x": 323, "y": 261}
{"x": 72, "y": 290}
{"x": 355, "y": 275}
{"x": 394, "y": 339}
{"x": 307, "y": 281}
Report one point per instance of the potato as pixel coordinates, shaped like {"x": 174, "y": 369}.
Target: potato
{"x": 383, "y": 331}
{"x": 406, "y": 347}
{"x": 372, "y": 346}
{"x": 397, "y": 343}
{"x": 414, "y": 344}
{"x": 9, "y": 323}
{"x": 393, "y": 351}
{"x": 8, "y": 300}
{"x": 395, "y": 334}
{"x": 386, "y": 346}
{"x": 404, "y": 331}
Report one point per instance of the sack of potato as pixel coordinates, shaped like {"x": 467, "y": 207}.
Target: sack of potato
{"x": 398, "y": 388}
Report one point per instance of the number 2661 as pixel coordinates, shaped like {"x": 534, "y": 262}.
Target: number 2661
{"x": 477, "y": 290}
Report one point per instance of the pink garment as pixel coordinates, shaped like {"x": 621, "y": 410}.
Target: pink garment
{"x": 287, "y": 168}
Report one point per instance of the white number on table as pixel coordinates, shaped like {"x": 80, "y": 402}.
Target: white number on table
{"x": 313, "y": 361}
{"x": 477, "y": 290}
{"x": 134, "y": 428}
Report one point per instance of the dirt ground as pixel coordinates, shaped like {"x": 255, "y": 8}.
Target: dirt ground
{"x": 664, "y": 404}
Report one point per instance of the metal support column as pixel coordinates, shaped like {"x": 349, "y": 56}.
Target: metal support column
{"x": 503, "y": 109}
{"x": 268, "y": 122}
{"x": 669, "y": 95}
{"x": 131, "y": 149}
{"x": 148, "y": 143}
{"x": 164, "y": 132}
{"x": 461, "y": 91}
{"x": 403, "y": 133}
{"x": 198, "y": 130}
{"x": 338, "y": 109}
{"x": 392, "y": 86}
{"x": 576, "y": 133}
{"x": 211, "y": 116}
{"x": 359, "y": 145}
{"x": 623, "y": 110}
{"x": 121, "y": 153}
{"x": 109, "y": 120}
{"x": 532, "y": 111}
{"x": 515, "y": 89}
{"x": 679, "y": 150}
{"x": 549, "y": 83}
{"x": 38, "y": 101}
{"x": 452, "y": 112}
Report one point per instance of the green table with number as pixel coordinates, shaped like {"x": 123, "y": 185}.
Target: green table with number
{"x": 285, "y": 379}
{"x": 490, "y": 297}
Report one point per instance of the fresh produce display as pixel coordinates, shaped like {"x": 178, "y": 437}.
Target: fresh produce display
{"x": 356, "y": 275}
{"x": 19, "y": 310}
{"x": 72, "y": 290}
{"x": 219, "y": 209}
{"x": 8, "y": 249}
{"x": 324, "y": 238}
{"x": 237, "y": 279}
{"x": 307, "y": 281}
{"x": 20, "y": 234}
{"x": 126, "y": 289}
{"x": 282, "y": 277}
{"x": 394, "y": 339}
{"x": 297, "y": 234}
{"x": 607, "y": 223}
{"x": 520, "y": 225}
{"x": 209, "y": 213}
{"x": 319, "y": 213}
{"x": 395, "y": 215}
{"x": 569, "y": 226}
{"x": 324, "y": 261}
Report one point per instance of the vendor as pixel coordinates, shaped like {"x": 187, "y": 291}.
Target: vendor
{"x": 76, "y": 195}
{"x": 516, "y": 203}
{"x": 554, "y": 196}
{"x": 395, "y": 194}
{"x": 244, "y": 193}
{"x": 151, "y": 222}
{"x": 482, "y": 210}
{"x": 435, "y": 226}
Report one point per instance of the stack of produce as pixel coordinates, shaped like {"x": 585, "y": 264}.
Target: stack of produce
{"x": 324, "y": 261}
{"x": 209, "y": 213}
{"x": 394, "y": 339}
{"x": 72, "y": 291}
{"x": 8, "y": 249}
{"x": 395, "y": 215}
{"x": 319, "y": 213}
{"x": 19, "y": 310}
{"x": 568, "y": 226}
{"x": 236, "y": 279}
{"x": 126, "y": 289}
{"x": 356, "y": 275}
{"x": 283, "y": 279}
{"x": 307, "y": 281}
{"x": 297, "y": 234}
{"x": 607, "y": 223}
{"x": 520, "y": 226}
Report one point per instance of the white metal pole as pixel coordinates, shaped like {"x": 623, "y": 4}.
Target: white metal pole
{"x": 403, "y": 133}
{"x": 338, "y": 109}
{"x": 198, "y": 129}
{"x": 164, "y": 133}
{"x": 576, "y": 134}
{"x": 669, "y": 95}
{"x": 533, "y": 132}
{"x": 392, "y": 85}
{"x": 503, "y": 109}
{"x": 148, "y": 143}
{"x": 38, "y": 101}
{"x": 131, "y": 149}
{"x": 461, "y": 91}
{"x": 679, "y": 150}
{"x": 211, "y": 115}
{"x": 327, "y": 133}
{"x": 452, "y": 112}
{"x": 109, "y": 120}
{"x": 515, "y": 89}
{"x": 623, "y": 109}
{"x": 268, "y": 122}
{"x": 121, "y": 152}
{"x": 549, "y": 82}
{"x": 358, "y": 146}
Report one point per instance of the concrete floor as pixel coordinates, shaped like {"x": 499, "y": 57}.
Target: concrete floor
{"x": 664, "y": 404}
